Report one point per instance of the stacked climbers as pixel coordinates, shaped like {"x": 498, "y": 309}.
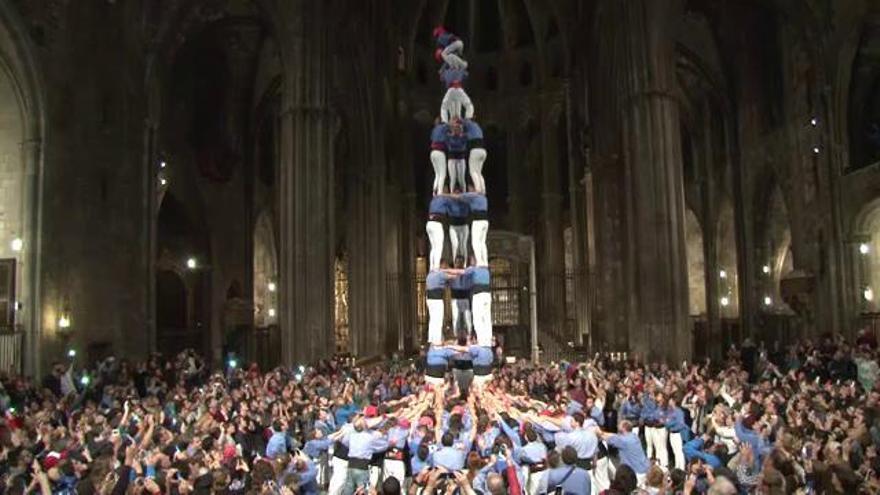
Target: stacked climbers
{"x": 457, "y": 145}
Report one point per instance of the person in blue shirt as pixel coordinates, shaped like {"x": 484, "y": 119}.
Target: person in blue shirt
{"x": 701, "y": 448}
{"x": 394, "y": 464}
{"x": 678, "y": 431}
{"x": 745, "y": 434}
{"x": 594, "y": 411}
{"x": 629, "y": 449}
{"x": 316, "y": 448}
{"x": 305, "y": 476}
{"x": 421, "y": 460}
{"x": 460, "y": 289}
{"x": 438, "y": 157}
{"x": 533, "y": 455}
{"x": 655, "y": 429}
{"x": 362, "y": 444}
{"x": 483, "y": 358}
{"x": 438, "y": 212}
{"x": 478, "y": 206}
{"x": 573, "y": 480}
{"x": 481, "y": 303}
{"x": 277, "y": 444}
{"x": 449, "y": 48}
{"x": 449, "y": 456}
{"x": 476, "y": 155}
{"x": 435, "y": 290}
{"x": 344, "y": 411}
{"x": 458, "y": 230}
{"x": 631, "y": 410}
{"x": 437, "y": 363}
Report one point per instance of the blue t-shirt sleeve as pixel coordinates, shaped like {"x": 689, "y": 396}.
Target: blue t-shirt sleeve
{"x": 438, "y": 134}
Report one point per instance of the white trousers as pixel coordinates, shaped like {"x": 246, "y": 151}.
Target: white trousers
{"x": 453, "y": 102}
{"x": 438, "y": 160}
{"x": 600, "y": 476}
{"x": 482, "y": 313}
{"x": 436, "y": 308}
{"x": 338, "y": 475}
{"x": 458, "y": 238}
{"x": 435, "y": 237}
{"x": 677, "y": 444}
{"x": 375, "y": 476}
{"x": 479, "y": 232}
{"x": 536, "y": 483}
{"x": 461, "y": 317}
{"x": 656, "y": 440}
{"x": 394, "y": 469}
{"x": 452, "y": 55}
{"x": 322, "y": 467}
{"x": 457, "y": 180}
{"x": 475, "y": 167}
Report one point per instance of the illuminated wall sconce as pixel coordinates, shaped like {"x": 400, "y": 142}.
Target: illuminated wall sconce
{"x": 816, "y": 150}
{"x": 272, "y": 287}
{"x": 766, "y": 269}
{"x": 17, "y": 244}
{"x": 725, "y": 301}
{"x": 722, "y": 274}
{"x": 864, "y": 248}
{"x": 64, "y": 320}
{"x": 868, "y": 294}
{"x": 768, "y": 301}
{"x": 814, "y": 121}
{"x": 192, "y": 263}
{"x": 272, "y": 312}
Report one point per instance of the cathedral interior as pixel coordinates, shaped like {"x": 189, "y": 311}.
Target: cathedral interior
{"x": 252, "y": 176}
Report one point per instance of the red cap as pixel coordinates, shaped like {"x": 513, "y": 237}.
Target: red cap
{"x": 427, "y": 422}
{"x": 458, "y": 410}
{"x": 438, "y": 54}
{"x": 51, "y": 460}
{"x": 371, "y": 411}
{"x": 438, "y": 31}
{"x": 403, "y": 423}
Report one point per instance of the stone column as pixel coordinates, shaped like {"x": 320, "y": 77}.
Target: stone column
{"x": 551, "y": 249}
{"x": 30, "y": 317}
{"x": 652, "y": 153}
{"x": 306, "y": 194}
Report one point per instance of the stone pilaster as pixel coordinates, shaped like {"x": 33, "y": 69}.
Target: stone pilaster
{"x": 652, "y": 153}
{"x": 306, "y": 195}
{"x": 551, "y": 249}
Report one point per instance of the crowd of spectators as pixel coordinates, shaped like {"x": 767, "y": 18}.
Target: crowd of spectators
{"x": 797, "y": 419}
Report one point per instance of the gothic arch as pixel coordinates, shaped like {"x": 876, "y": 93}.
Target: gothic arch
{"x": 24, "y": 121}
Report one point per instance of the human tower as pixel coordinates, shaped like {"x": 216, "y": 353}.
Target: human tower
{"x": 458, "y": 210}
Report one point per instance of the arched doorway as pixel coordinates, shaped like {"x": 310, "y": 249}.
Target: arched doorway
{"x": 180, "y": 276}
{"x": 171, "y": 303}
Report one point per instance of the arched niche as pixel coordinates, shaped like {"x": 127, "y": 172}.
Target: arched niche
{"x": 864, "y": 250}
{"x": 728, "y": 280}
{"x": 778, "y": 260}
{"x": 265, "y": 276}
{"x": 696, "y": 265}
